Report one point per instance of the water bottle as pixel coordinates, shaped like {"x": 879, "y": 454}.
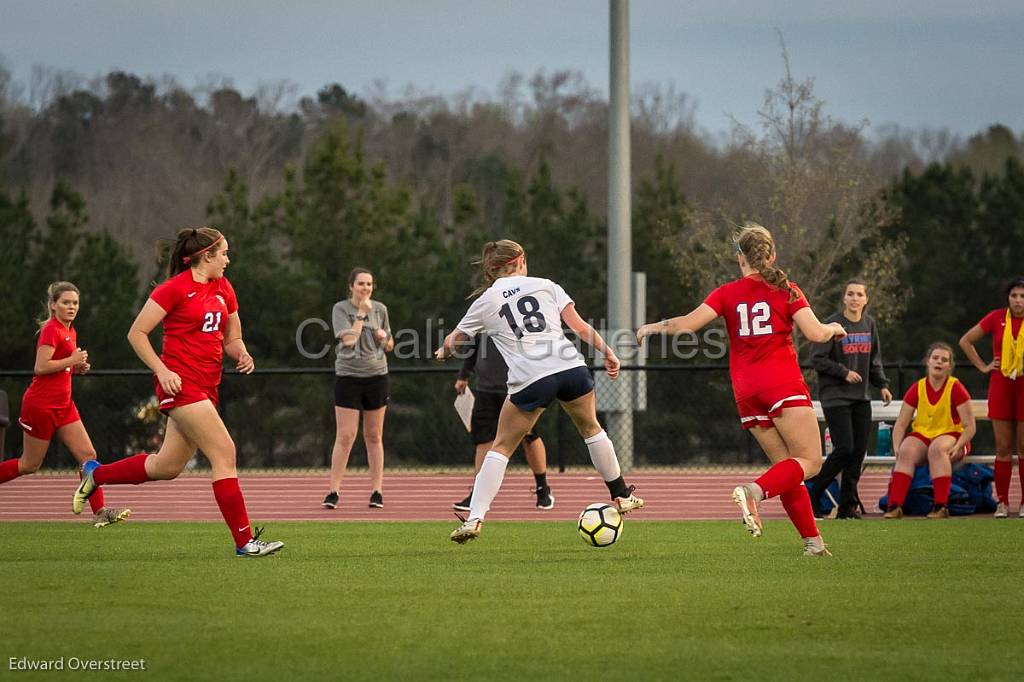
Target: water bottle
{"x": 883, "y": 445}
{"x": 828, "y": 443}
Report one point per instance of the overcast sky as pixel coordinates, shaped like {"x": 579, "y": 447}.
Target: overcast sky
{"x": 934, "y": 63}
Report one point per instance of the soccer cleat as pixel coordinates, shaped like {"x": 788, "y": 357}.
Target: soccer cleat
{"x": 256, "y": 548}
{"x": 469, "y": 530}
{"x": 1021, "y": 512}
{"x": 893, "y": 513}
{"x": 816, "y": 547}
{"x": 744, "y": 499}
{"x": 463, "y": 504}
{"x": 628, "y": 503}
{"x": 86, "y": 488}
{"x": 331, "y": 501}
{"x": 1002, "y": 511}
{"x": 939, "y": 511}
{"x": 545, "y": 500}
{"x": 376, "y": 500}
{"x": 107, "y": 516}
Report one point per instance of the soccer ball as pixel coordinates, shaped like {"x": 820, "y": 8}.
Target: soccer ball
{"x": 600, "y": 525}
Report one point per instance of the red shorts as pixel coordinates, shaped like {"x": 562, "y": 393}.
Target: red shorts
{"x": 760, "y": 408}
{"x": 928, "y": 441}
{"x": 1005, "y": 397}
{"x": 189, "y": 393}
{"x": 42, "y": 422}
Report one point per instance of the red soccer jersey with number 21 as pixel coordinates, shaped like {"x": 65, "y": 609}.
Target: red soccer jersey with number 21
{"x": 197, "y": 313}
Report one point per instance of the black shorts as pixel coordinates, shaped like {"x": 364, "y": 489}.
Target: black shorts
{"x": 566, "y": 386}
{"x": 361, "y": 393}
{"x": 483, "y": 423}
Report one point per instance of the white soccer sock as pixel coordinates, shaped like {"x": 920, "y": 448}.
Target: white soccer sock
{"x": 602, "y": 454}
{"x": 488, "y": 481}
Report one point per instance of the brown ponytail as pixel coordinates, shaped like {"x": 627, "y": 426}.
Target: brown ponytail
{"x": 187, "y": 248}
{"x": 53, "y": 293}
{"x": 497, "y": 260}
{"x": 757, "y": 246}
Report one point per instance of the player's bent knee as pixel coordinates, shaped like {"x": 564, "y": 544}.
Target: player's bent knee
{"x": 25, "y": 467}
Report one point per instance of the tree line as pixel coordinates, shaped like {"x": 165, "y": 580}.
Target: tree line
{"x": 92, "y": 174}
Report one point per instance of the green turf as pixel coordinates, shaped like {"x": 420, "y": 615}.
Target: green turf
{"x": 672, "y": 600}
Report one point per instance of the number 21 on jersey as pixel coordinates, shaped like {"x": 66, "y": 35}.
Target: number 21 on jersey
{"x": 754, "y": 319}
{"x": 211, "y": 322}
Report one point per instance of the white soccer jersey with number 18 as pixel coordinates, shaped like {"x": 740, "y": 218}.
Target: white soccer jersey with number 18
{"x": 523, "y": 315}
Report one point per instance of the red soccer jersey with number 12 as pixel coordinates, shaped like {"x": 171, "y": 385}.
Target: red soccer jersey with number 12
{"x": 759, "y": 318}
{"x": 197, "y": 313}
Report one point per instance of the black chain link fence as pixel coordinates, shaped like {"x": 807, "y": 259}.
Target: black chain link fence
{"x": 283, "y": 419}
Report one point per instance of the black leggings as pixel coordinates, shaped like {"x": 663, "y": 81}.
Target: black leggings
{"x": 849, "y": 426}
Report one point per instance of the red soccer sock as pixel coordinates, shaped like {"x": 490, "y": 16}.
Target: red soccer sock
{"x": 9, "y": 470}
{"x": 232, "y": 508}
{"x": 783, "y": 476}
{"x": 899, "y": 486}
{"x": 941, "y": 487}
{"x": 797, "y": 504}
{"x": 1004, "y": 472}
{"x": 128, "y": 470}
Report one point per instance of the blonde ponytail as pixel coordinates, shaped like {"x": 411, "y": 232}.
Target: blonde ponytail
{"x": 757, "y": 246}
{"x": 497, "y": 260}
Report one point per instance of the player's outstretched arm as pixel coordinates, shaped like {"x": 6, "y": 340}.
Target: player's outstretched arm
{"x": 447, "y": 349}
{"x": 690, "y": 323}
{"x": 811, "y": 327}
{"x": 591, "y": 337}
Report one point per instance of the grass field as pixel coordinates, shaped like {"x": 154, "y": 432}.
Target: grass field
{"x": 672, "y": 600}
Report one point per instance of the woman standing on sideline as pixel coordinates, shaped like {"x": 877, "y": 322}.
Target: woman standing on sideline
{"x": 47, "y": 409}
{"x": 846, "y": 368}
{"x": 760, "y": 310}
{"x": 199, "y": 312}
{"x": 524, "y": 316}
{"x": 363, "y": 330}
{"x": 1005, "y": 387}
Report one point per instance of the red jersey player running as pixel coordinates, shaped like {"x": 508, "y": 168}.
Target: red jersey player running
{"x": 199, "y": 312}
{"x": 47, "y": 409}
{"x": 760, "y": 310}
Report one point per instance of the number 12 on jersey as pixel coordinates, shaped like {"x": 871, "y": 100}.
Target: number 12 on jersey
{"x": 754, "y": 319}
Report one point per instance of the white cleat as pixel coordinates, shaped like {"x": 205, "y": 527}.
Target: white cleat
{"x": 629, "y": 503}
{"x": 256, "y": 548}
{"x": 1002, "y": 511}
{"x": 469, "y": 530}
{"x": 743, "y": 498}
{"x": 816, "y": 547}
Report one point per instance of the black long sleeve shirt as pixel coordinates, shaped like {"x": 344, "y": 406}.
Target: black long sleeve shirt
{"x": 859, "y": 351}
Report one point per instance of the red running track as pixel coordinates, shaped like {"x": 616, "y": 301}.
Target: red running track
{"x": 407, "y": 497}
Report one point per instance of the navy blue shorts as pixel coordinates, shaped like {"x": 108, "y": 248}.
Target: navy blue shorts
{"x": 566, "y": 386}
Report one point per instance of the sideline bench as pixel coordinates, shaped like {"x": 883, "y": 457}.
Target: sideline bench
{"x": 888, "y": 413}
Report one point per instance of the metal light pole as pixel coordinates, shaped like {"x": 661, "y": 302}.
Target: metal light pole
{"x": 620, "y": 248}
